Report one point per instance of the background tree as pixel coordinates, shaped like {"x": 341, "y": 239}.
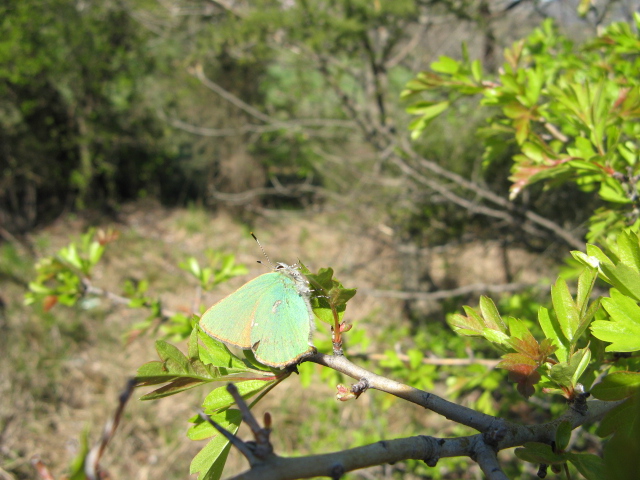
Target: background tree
{"x": 302, "y": 104}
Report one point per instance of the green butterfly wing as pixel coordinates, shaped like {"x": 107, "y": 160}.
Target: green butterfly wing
{"x": 267, "y": 315}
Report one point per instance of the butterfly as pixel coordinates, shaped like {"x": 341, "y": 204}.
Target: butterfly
{"x": 271, "y": 315}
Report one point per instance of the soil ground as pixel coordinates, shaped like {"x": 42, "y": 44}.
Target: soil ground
{"x": 63, "y": 370}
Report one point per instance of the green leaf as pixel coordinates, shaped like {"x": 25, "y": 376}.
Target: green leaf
{"x": 77, "y": 467}
{"x": 617, "y": 385}
{"x": 177, "y": 372}
{"x": 589, "y": 465}
{"x": 428, "y": 110}
{"x": 217, "y": 354}
{"x": 220, "y": 398}
{"x": 476, "y": 70}
{"x": 495, "y": 336}
{"x": 491, "y": 315}
{"x": 329, "y": 295}
{"x": 628, "y": 249}
{"x": 586, "y": 281}
{"x": 623, "y": 277}
{"x": 567, "y": 374}
{"x": 617, "y": 418}
{"x": 565, "y": 308}
{"x": 522, "y": 371}
{"x": 95, "y": 253}
{"x": 173, "y": 358}
{"x": 210, "y": 461}
{"x": 623, "y": 330}
{"x": 622, "y": 451}
{"x": 612, "y": 190}
{"x": 535, "y": 452}
{"x": 446, "y": 65}
{"x": 470, "y": 325}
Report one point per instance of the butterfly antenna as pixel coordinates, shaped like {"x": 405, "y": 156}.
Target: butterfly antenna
{"x": 263, "y": 252}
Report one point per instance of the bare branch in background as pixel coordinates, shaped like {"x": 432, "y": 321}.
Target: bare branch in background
{"x": 454, "y": 292}
{"x": 293, "y": 125}
{"x": 91, "y": 462}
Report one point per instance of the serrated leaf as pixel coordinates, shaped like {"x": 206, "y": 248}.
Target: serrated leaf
{"x": 624, "y": 278}
{"x": 491, "y": 315}
{"x": 172, "y": 357}
{"x": 567, "y": 374}
{"x": 470, "y": 325}
{"x": 176, "y": 371}
{"x": 521, "y": 339}
{"x": 517, "y": 362}
{"x": 623, "y": 330}
{"x": 565, "y": 308}
{"x": 329, "y": 295}
{"x": 552, "y": 331}
{"x": 522, "y": 371}
{"x": 495, "y": 336}
{"x": 345, "y": 294}
{"x": 628, "y": 249}
{"x": 617, "y": 385}
{"x": 177, "y": 385}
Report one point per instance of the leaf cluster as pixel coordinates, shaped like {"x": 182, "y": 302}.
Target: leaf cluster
{"x": 572, "y": 112}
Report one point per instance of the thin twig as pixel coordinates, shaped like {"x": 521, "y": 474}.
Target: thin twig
{"x": 233, "y": 439}
{"x": 92, "y": 460}
{"x": 454, "y": 292}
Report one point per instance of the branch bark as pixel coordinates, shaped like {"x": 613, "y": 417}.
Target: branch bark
{"x": 498, "y": 434}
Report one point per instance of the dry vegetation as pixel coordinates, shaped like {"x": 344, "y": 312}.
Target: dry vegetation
{"x": 64, "y": 368}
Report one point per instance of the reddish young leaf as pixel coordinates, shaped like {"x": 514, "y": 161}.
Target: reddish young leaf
{"x": 527, "y": 346}
{"x": 522, "y": 370}
{"x": 49, "y": 302}
{"x": 517, "y": 362}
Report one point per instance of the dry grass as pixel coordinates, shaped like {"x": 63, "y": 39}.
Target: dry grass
{"x": 62, "y": 371}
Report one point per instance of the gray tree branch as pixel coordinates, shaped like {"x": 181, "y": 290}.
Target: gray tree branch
{"x": 497, "y": 434}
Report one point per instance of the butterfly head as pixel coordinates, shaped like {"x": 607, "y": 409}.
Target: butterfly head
{"x": 293, "y": 271}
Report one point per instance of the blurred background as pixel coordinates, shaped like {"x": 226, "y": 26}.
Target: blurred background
{"x": 186, "y": 125}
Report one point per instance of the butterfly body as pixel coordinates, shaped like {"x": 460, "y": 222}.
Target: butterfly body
{"x": 270, "y": 315}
